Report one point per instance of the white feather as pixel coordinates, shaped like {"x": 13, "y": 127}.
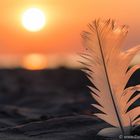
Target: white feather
{"x": 107, "y": 68}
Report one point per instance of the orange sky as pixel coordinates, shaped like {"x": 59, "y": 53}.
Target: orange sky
{"x": 65, "y": 21}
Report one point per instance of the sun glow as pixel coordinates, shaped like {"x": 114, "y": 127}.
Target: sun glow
{"x": 34, "y": 62}
{"x": 33, "y": 19}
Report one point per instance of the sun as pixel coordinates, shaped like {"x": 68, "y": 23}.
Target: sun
{"x": 33, "y": 19}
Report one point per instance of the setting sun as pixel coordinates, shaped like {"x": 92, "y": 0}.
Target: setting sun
{"x": 33, "y": 19}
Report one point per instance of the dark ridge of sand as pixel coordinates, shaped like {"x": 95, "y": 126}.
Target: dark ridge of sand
{"x": 48, "y": 105}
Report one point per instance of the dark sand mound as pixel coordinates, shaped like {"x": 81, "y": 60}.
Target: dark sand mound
{"x": 48, "y": 105}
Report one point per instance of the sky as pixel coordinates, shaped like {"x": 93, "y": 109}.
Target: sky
{"x": 65, "y": 22}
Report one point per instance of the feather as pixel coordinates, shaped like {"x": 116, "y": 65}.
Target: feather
{"x": 107, "y": 66}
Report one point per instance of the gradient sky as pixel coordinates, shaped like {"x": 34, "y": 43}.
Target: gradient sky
{"x": 65, "y": 21}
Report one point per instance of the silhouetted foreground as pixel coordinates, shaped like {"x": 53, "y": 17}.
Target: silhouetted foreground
{"x": 48, "y": 105}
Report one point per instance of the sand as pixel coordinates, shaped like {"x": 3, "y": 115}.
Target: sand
{"x": 48, "y": 105}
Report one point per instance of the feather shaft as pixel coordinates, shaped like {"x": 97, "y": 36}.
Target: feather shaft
{"x": 102, "y": 54}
